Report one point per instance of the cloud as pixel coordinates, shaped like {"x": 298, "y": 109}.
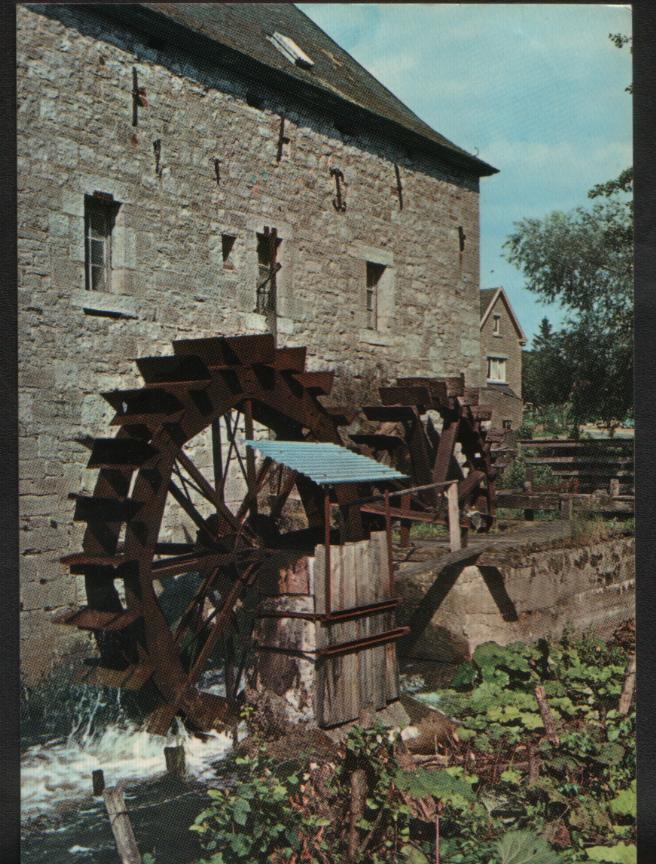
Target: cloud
{"x": 536, "y": 89}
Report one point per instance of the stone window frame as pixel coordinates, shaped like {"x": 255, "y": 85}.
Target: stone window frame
{"x": 499, "y": 359}
{"x": 385, "y": 288}
{"x": 496, "y": 324}
{"x": 103, "y": 208}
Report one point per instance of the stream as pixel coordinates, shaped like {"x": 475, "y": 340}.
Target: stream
{"x": 62, "y": 822}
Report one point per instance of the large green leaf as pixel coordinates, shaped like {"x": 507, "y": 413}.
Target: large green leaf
{"x": 625, "y": 802}
{"x": 621, "y": 853}
{"x": 438, "y": 784}
{"x": 523, "y": 847}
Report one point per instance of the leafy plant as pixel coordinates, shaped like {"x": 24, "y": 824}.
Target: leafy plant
{"x": 523, "y": 847}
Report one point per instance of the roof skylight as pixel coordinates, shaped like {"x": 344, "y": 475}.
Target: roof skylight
{"x": 291, "y": 50}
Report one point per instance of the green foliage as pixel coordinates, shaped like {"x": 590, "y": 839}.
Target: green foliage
{"x": 515, "y": 475}
{"x": 523, "y": 847}
{"x": 621, "y": 853}
{"x": 583, "y": 260}
{"x": 437, "y": 784}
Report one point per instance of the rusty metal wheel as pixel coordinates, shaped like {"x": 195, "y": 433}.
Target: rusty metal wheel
{"x": 405, "y": 436}
{"x": 151, "y": 479}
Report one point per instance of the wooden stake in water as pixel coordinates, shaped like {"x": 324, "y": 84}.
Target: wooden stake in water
{"x": 175, "y": 761}
{"x": 98, "y": 781}
{"x": 126, "y": 844}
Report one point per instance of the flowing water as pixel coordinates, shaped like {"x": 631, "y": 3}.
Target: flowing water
{"x": 64, "y": 822}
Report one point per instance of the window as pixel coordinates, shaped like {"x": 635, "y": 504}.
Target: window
{"x": 291, "y": 50}
{"x": 268, "y": 246}
{"x": 507, "y": 424}
{"x": 496, "y": 369}
{"x": 374, "y": 275}
{"x": 227, "y": 251}
{"x": 99, "y": 215}
{"x": 496, "y": 325}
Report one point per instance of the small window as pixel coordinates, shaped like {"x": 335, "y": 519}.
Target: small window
{"x": 496, "y": 325}
{"x": 99, "y": 217}
{"x": 268, "y": 250}
{"x": 496, "y": 369}
{"x": 374, "y": 275}
{"x": 507, "y": 424}
{"x": 227, "y": 251}
{"x": 291, "y": 50}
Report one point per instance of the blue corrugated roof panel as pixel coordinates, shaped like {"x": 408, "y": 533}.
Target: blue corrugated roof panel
{"x": 326, "y": 464}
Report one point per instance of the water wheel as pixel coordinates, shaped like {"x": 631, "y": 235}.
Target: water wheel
{"x": 405, "y": 436}
{"x": 150, "y": 478}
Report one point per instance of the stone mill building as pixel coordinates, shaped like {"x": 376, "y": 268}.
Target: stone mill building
{"x": 187, "y": 170}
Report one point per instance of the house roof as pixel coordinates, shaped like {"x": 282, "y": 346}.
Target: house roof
{"x": 235, "y": 34}
{"x": 489, "y": 297}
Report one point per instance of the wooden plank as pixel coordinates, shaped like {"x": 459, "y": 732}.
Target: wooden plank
{"x": 455, "y": 539}
{"x": 126, "y": 844}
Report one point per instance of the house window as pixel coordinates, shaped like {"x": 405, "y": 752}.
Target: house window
{"x": 374, "y": 275}
{"x": 268, "y": 251}
{"x": 496, "y": 369}
{"x": 99, "y": 216}
{"x": 227, "y": 251}
{"x": 507, "y": 424}
{"x": 496, "y": 325}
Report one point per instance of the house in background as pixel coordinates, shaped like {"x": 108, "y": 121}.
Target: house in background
{"x": 502, "y": 339}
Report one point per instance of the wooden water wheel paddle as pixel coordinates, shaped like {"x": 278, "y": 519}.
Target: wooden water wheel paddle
{"x": 208, "y": 387}
{"x": 407, "y": 438}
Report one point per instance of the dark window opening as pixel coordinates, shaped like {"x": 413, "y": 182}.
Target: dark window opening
{"x": 254, "y": 100}
{"x": 227, "y": 251}
{"x": 507, "y": 424}
{"x": 374, "y": 275}
{"x": 99, "y": 217}
{"x": 268, "y": 246}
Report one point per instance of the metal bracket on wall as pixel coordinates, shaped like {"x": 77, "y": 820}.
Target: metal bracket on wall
{"x": 217, "y": 170}
{"x": 339, "y": 202}
{"x": 282, "y": 139}
{"x": 157, "y": 147}
{"x": 398, "y": 189}
{"x": 138, "y": 97}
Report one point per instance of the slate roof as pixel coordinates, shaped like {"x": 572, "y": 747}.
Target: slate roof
{"x": 487, "y": 296}
{"x": 242, "y": 28}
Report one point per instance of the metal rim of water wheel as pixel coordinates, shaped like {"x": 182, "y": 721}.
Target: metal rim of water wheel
{"x": 205, "y": 384}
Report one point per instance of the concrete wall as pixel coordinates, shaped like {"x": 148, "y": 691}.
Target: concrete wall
{"x": 506, "y": 343}
{"x": 523, "y": 595}
{"x": 75, "y": 137}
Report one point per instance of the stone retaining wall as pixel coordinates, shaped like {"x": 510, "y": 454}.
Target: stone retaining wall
{"x": 521, "y": 595}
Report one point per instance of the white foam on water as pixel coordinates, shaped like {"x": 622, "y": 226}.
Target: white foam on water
{"x": 57, "y": 774}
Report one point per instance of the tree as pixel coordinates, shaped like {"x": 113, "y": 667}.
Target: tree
{"x": 584, "y": 259}
{"x": 546, "y": 372}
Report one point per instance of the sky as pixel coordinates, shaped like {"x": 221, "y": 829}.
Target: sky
{"x": 537, "y": 91}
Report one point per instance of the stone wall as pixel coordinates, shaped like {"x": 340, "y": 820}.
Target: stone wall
{"x": 75, "y": 137}
{"x": 522, "y": 595}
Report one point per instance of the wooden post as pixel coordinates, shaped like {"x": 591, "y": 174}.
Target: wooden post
{"x": 455, "y": 542}
{"x": 629, "y": 686}
{"x": 358, "y": 805}
{"x": 529, "y": 513}
{"x": 405, "y": 526}
{"x": 566, "y": 508}
{"x": 175, "y": 761}
{"x": 547, "y": 717}
{"x": 126, "y": 845}
{"x": 98, "y": 781}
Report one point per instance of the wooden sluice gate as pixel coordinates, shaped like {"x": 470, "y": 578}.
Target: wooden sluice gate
{"x": 330, "y": 667}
